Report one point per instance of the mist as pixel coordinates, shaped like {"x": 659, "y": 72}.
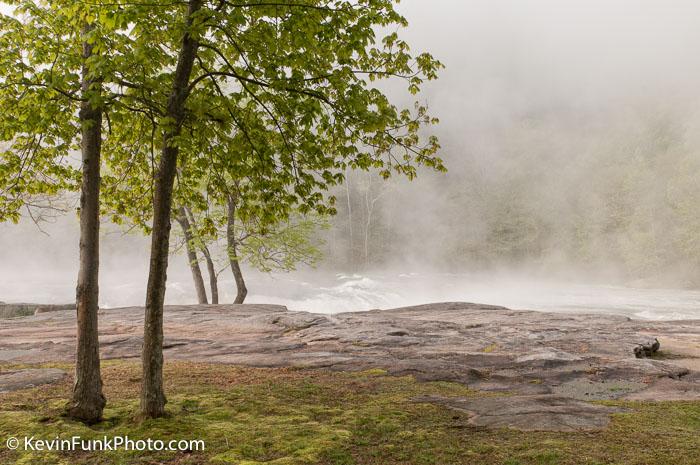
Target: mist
{"x": 571, "y": 133}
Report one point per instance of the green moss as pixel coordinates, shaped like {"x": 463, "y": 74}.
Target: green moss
{"x": 374, "y": 371}
{"x": 293, "y": 417}
{"x": 490, "y": 348}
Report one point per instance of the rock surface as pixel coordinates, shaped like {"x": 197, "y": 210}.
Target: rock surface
{"x": 32, "y": 377}
{"x": 530, "y": 413}
{"x": 577, "y": 357}
{"x": 24, "y": 309}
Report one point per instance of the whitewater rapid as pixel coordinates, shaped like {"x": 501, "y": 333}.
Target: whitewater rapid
{"x": 333, "y": 293}
{"x": 361, "y": 292}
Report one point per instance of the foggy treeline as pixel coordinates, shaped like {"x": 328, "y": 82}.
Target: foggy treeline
{"x": 571, "y": 134}
{"x": 595, "y": 194}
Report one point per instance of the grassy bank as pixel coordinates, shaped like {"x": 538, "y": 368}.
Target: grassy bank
{"x": 286, "y": 417}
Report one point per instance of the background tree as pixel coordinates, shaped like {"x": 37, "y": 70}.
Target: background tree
{"x": 279, "y": 246}
{"x": 271, "y": 246}
{"x": 183, "y": 219}
{"x": 201, "y": 242}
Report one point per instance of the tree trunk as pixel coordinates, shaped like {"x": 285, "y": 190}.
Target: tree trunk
{"x": 368, "y": 218}
{"x": 87, "y": 400}
{"x": 152, "y": 395}
{"x": 192, "y": 256}
{"x": 213, "y": 279}
{"x": 241, "y": 290}
{"x": 350, "y": 223}
{"x": 211, "y": 270}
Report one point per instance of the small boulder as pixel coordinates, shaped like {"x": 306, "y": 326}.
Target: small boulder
{"x": 647, "y": 349}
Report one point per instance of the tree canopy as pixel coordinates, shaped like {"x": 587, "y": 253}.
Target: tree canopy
{"x": 198, "y": 98}
{"x": 281, "y": 95}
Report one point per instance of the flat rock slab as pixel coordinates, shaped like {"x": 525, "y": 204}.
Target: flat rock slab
{"x": 29, "y": 378}
{"x": 585, "y": 389}
{"x": 530, "y": 413}
{"x": 666, "y": 389}
{"x": 485, "y": 347}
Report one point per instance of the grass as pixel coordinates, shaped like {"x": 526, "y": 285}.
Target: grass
{"x": 254, "y": 416}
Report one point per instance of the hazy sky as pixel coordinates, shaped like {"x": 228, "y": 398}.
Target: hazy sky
{"x": 518, "y": 55}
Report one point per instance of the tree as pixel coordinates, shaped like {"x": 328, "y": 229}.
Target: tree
{"x": 267, "y": 247}
{"x": 53, "y": 102}
{"x": 279, "y": 246}
{"x": 88, "y": 401}
{"x": 201, "y": 244}
{"x": 282, "y": 90}
{"x": 152, "y": 395}
{"x": 192, "y": 259}
{"x": 279, "y": 94}
{"x": 370, "y": 200}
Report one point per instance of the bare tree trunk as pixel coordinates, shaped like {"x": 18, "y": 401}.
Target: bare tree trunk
{"x": 241, "y": 290}
{"x": 213, "y": 279}
{"x": 192, "y": 256}
{"x": 370, "y": 203}
{"x": 368, "y": 217}
{"x": 350, "y": 223}
{"x": 87, "y": 402}
{"x": 211, "y": 270}
{"x": 152, "y": 395}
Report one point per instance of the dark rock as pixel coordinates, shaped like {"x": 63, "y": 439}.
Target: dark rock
{"x": 397, "y": 333}
{"x": 648, "y": 349}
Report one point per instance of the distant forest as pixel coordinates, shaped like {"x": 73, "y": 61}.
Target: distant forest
{"x": 600, "y": 191}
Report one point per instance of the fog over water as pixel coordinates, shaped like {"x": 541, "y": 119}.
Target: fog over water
{"x": 571, "y": 133}
{"x": 44, "y": 272}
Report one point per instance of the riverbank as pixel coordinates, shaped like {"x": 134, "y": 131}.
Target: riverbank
{"x": 524, "y": 382}
{"x": 485, "y": 347}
